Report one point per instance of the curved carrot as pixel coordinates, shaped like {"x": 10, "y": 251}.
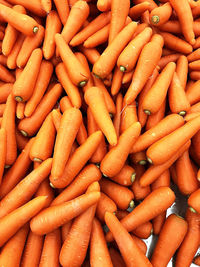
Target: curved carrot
{"x": 114, "y": 191}
{"x": 161, "y": 14}
{"x": 29, "y": 126}
{"x": 132, "y": 255}
{"x": 62, "y": 7}
{"x": 67, "y": 211}
{"x": 21, "y": 22}
{"x": 105, "y": 203}
{"x": 151, "y": 2}
{"x": 2, "y": 151}
{"x": 158, "y": 96}
{"x": 104, "y": 65}
{"x": 185, "y": 17}
{"x": 147, "y": 61}
{"x": 53, "y": 26}
{"x": 51, "y": 249}
{"x": 156, "y": 117}
{"x": 95, "y": 99}
{"x": 87, "y": 176}
{"x": 114, "y": 160}
{"x": 167, "y": 242}
{"x": 126, "y": 176}
{"x": 91, "y": 54}
{"x": 43, "y": 79}
{"x": 24, "y": 85}
{"x": 164, "y": 149}
{"x": 104, "y": 5}
{"x": 5, "y": 75}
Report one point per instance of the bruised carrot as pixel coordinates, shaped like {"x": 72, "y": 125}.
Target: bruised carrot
{"x": 105, "y": 203}
{"x": 161, "y": 14}
{"x": 62, "y": 7}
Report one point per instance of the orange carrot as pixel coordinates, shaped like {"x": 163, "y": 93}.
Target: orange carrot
{"x": 136, "y": 11}
{"x": 20, "y": 110}
{"x": 193, "y": 201}
{"x": 65, "y": 230}
{"x": 195, "y": 55}
{"x": 116, "y": 258}
{"x": 166, "y": 245}
{"x": 138, "y": 158}
{"x": 140, "y": 243}
{"x": 193, "y": 93}
{"x": 156, "y": 117}
{"x": 125, "y": 177}
{"x": 167, "y": 59}
{"x": 117, "y": 116}
{"x": 91, "y": 54}
{"x": 105, "y": 203}
{"x": 195, "y": 75}
{"x": 161, "y": 14}
{"x": 2, "y": 151}
{"x": 182, "y": 70}
{"x": 152, "y": 3}
{"x": 116, "y": 81}
{"x": 191, "y": 116}
{"x": 62, "y": 7}
{"x": 47, "y": 5}
{"x": 104, "y": 5}
{"x": 128, "y": 116}
{"x": 5, "y": 75}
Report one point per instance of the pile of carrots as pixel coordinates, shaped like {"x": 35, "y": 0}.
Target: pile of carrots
{"x": 99, "y": 116}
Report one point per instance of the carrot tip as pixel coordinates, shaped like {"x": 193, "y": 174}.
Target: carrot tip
{"x": 142, "y": 162}
{"x": 37, "y": 160}
{"x": 132, "y": 204}
{"x": 18, "y": 98}
{"x": 133, "y": 177}
{"x": 7, "y": 166}
{"x": 149, "y": 160}
{"x": 155, "y": 19}
{"x": 52, "y": 185}
{"x": 148, "y": 112}
{"x": 192, "y": 210}
{"x": 83, "y": 83}
{"x": 24, "y": 133}
{"x": 182, "y": 113}
{"x": 122, "y": 68}
{"x": 35, "y": 29}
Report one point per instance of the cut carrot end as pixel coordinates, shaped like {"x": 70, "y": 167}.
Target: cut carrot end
{"x": 155, "y": 19}
{"x": 37, "y": 160}
{"x": 7, "y": 166}
{"x": 149, "y": 160}
{"x": 24, "y": 133}
{"x": 132, "y": 204}
{"x": 148, "y": 112}
{"x": 52, "y": 185}
{"x": 83, "y": 83}
{"x": 35, "y": 29}
{"x": 122, "y": 68}
{"x": 142, "y": 162}
{"x": 182, "y": 113}
{"x": 133, "y": 177}
{"x": 18, "y": 98}
{"x": 192, "y": 210}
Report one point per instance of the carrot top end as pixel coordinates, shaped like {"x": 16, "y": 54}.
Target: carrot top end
{"x": 131, "y": 204}
{"x": 18, "y": 98}
{"x": 133, "y": 177}
{"x": 122, "y": 68}
{"x": 35, "y": 29}
{"x": 155, "y": 19}
{"x": 24, "y": 133}
{"x": 148, "y": 112}
{"x": 142, "y": 162}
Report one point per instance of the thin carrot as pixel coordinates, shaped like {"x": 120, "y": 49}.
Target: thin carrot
{"x": 114, "y": 160}
{"x": 105, "y": 203}
{"x": 51, "y": 249}
{"x": 5, "y": 75}
{"x": 182, "y": 70}
{"x": 147, "y": 61}
{"x": 195, "y": 75}
{"x": 156, "y": 117}
{"x": 151, "y": 2}
{"x": 62, "y": 7}
{"x": 116, "y": 258}
{"x": 125, "y": 177}
{"x": 167, "y": 242}
{"x": 5, "y": 90}
{"x": 67, "y": 211}
{"x": 20, "y": 110}
{"x": 104, "y": 5}
{"x": 161, "y": 14}
{"x": 116, "y": 81}
{"x": 132, "y": 255}
{"x": 147, "y": 209}
{"x": 91, "y": 54}
{"x": 194, "y": 66}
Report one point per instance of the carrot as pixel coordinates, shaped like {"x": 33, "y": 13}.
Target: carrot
{"x": 152, "y": 3}
{"x": 175, "y": 43}
{"x": 78, "y": 159}
{"x": 126, "y": 176}
{"x": 139, "y": 191}
{"x": 65, "y": 230}
{"x": 56, "y": 118}
{"x": 166, "y": 245}
{"x": 193, "y": 201}
{"x": 167, "y": 59}
{"x": 51, "y": 249}
{"x": 116, "y": 258}
{"x": 194, "y": 66}
{"x": 5, "y": 75}
{"x": 91, "y": 54}
{"x": 11, "y": 34}
{"x": 105, "y": 203}
{"x": 164, "y": 80}
{"x": 114, "y": 191}
{"x": 3, "y": 60}
{"x": 128, "y": 116}
{"x": 67, "y": 211}
{"x": 79, "y": 10}
{"x": 2, "y": 151}
{"x": 157, "y": 153}
{"x": 98, "y": 23}
{"x": 136, "y": 11}
{"x": 131, "y": 254}
{"x": 32, "y": 250}
{"x": 163, "y": 128}
{"x": 43, "y": 78}
{"x": 87, "y": 176}
{"x": 116, "y": 81}
{"x": 104, "y": 5}
{"x": 147, "y": 61}
{"x": 190, "y": 243}
{"x": 140, "y": 243}
{"x": 104, "y": 65}
{"x": 191, "y": 116}
{"x": 28, "y": 77}
{"x": 47, "y": 5}
{"x": 138, "y": 158}
{"x": 5, "y": 3}
{"x": 93, "y": 127}
{"x": 193, "y": 93}
{"x": 53, "y": 26}
{"x": 156, "y": 117}
{"x": 16, "y": 243}
{"x": 196, "y": 260}
{"x": 185, "y": 17}
{"x": 161, "y": 14}
{"x": 117, "y": 116}
{"x": 29, "y": 126}
{"x": 95, "y": 99}
{"x": 194, "y": 108}
{"x": 195, "y": 55}
{"x": 20, "y": 110}
{"x": 195, "y": 75}
{"x": 23, "y": 23}
{"x": 73, "y": 251}
{"x": 114, "y": 160}
{"x": 133, "y": 50}
{"x": 182, "y": 70}
{"x": 62, "y": 7}
{"x": 156, "y": 170}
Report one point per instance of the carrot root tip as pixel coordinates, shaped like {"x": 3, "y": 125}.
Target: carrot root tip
{"x": 7, "y": 166}
{"x": 122, "y": 68}
{"x": 83, "y": 83}
{"x": 182, "y": 113}
{"x": 52, "y": 185}
{"x": 133, "y": 177}
{"x": 24, "y": 133}
{"x": 155, "y": 19}
{"x": 149, "y": 160}
{"x": 18, "y": 98}
{"x": 35, "y": 29}
{"x": 148, "y": 112}
{"x": 142, "y": 162}
{"x": 37, "y": 160}
{"x": 131, "y": 204}
{"x": 192, "y": 210}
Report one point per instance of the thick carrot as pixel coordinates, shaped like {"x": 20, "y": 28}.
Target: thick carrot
{"x": 151, "y": 2}
{"x": 29, "y": 126}
{"x": 24, "y": 85}
{"x": 194, "y": 66}
{"x": 88, "y": 175}
{"x": 78, "y": 159}
{"x": 43, "y": 79}
{"x": 164, "y": 149}
{"x": 16, "y": 243}
{"x": 105, "y": 203}
{"x": 133, "y": 50}
{"x": 104, "y": 65}
{"x": 195, "y": 75}
{"x": 67, "y": 211}
{"x": 158, "y": 96}
{"x": 99, "y": 254}
{"x": 126, "y": 176}
{"x": 5, "y": 75}
{"x": 95, "y": 99}
{"x": 147, "y": 61}
{"x": 116, "y": 81}
{"x": 62, "y": 7}
{"x": 30, "y": 43}
{"x": 161, "y": 14}
{"x": 131, "y": 254}
{"x": 167, "y": 242}
{"x": 154, "y": 204}
{"x": 156, "y": 117}
{"x": 119, "y": 13}
{"x": 128, "y": 116}
{"x": 185, "y": 17}
{"x": 156, "y": 170}
{"x": 121, "y": 195}
{"x": 2, "y": 151}
{"x": 193, "y": 201}
{"x": 98, "y": 23}
{"x": 163, "y": 128}
{"x": 53, "y": 26}
{"x": 51, "y": 249}
{"x": 116, "y": 258}
{"x": 21, "y": 22}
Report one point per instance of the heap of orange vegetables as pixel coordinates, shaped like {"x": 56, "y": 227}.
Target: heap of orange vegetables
{"x": 99, "y": 115}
